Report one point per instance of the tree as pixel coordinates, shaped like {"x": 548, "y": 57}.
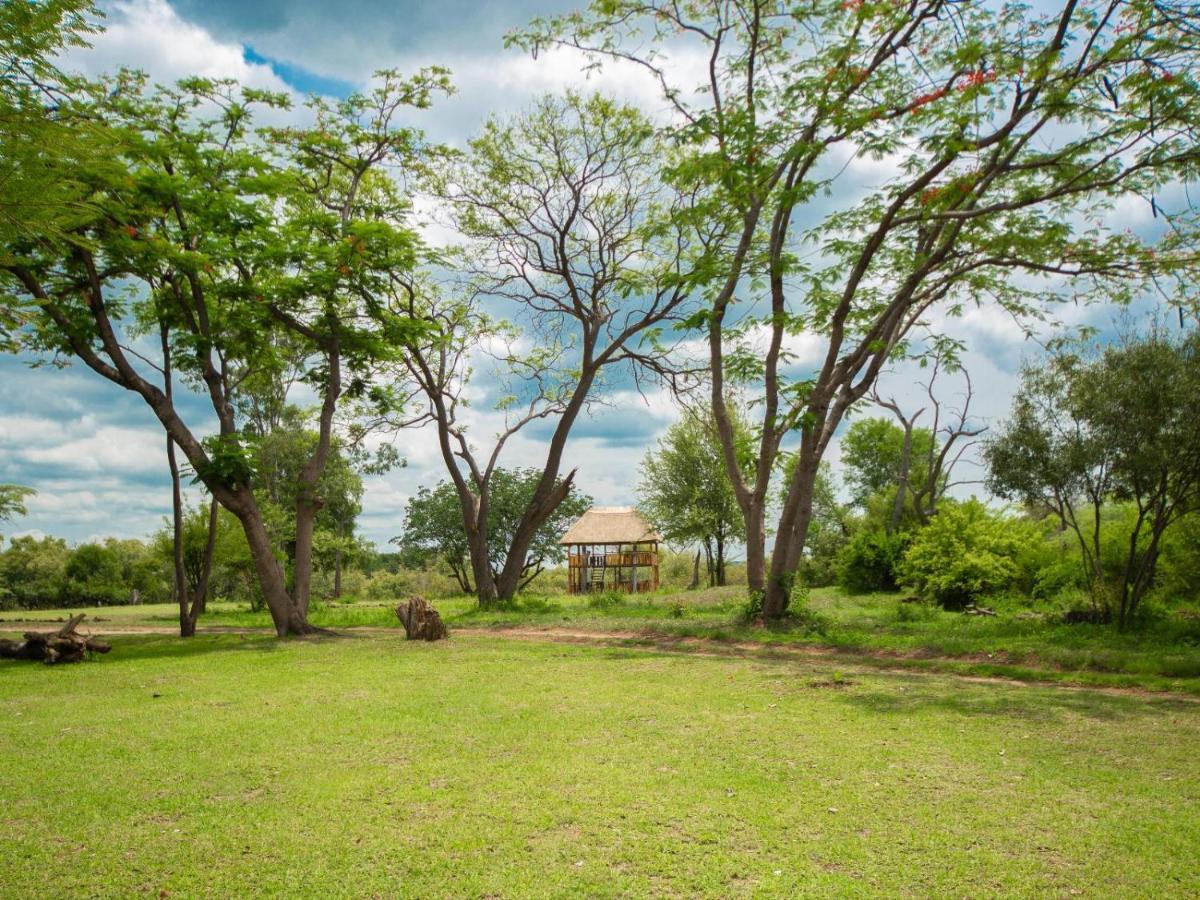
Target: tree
{"x": 33, "y": 571}
{"x": 221, "y": 239}
{"x": 12, "y": 501}
{"x": 877, "y": 455}
{"x": 433, "y": 525}
{"x": 560, "y": 207}
{"x": 1120, "y": 422}
{"x": 38, "y": 127}
{"x": 685, "y": 492}
{"x": 936, "y": 453}
{"x": 1014, "y": 128}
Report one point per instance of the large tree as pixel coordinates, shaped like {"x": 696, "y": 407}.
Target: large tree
{"x": 572, "y": 277}
{"x": 223, "y": 238}
{"x": 1010, "y": 131}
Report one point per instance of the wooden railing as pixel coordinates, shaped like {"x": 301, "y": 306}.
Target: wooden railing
{"x": 612, "y": 560}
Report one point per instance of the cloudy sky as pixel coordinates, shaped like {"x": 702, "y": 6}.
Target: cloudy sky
{"x": 96, "y": 455}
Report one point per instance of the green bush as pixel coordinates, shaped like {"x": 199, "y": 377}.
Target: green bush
{"x": 967, "y": 552}
{"x": 606, "y": 600}
{"x": 870, "y": 561}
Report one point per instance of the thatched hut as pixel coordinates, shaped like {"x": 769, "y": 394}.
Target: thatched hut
{"x": 611, "y": 548}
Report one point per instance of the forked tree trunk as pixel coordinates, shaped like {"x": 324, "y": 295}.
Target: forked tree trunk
{"x": 794, "y": 520}
{"x": 285, "y": 615}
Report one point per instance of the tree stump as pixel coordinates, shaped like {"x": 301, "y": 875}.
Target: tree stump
{"x": 51, "y": 647}
{"x": 421, "y": 621}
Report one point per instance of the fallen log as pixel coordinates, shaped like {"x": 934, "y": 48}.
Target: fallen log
{"x": 64, "y": 645}
{"x": 421, "y": 621}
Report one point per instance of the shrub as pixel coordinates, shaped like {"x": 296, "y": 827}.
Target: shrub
{"x": 606, "y": 600}
{"x": 870, "y": 561}
{"x": 967, "y": 552}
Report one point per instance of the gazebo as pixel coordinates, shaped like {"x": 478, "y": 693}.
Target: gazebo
{"x": 611, "y": 548}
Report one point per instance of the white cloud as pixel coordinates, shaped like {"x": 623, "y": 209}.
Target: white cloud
{"x": 150, "y": 35}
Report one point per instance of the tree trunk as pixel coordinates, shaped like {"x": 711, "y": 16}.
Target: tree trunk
{"x": 902, "y": 478}
{"x": 791, "y": 535}
{"x": 187, "y": 610}
{"x": 756, "y": 548}
{"x": 286, "y": 617}
{"x": 708, "y": 561}
{"x": 695, "y": 571}
{"x": 302, "y": 563}
{"x": 200, "y": 594}
{"x": 720, "y": 559}
{"x": 308, "y": 501}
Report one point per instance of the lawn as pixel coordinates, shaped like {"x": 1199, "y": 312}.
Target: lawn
{"x": 238, "y": 765}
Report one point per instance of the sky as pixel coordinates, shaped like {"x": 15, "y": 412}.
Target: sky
{"x": 96, "y": 455}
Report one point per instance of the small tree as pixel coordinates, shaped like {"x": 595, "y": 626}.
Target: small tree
{"x": 685, "y": 492}
{"x": 965, "y": 553}
{"x": 879, "y": 455}
{"x": 1120, "y": 422}
{"x": 433, "y": 525}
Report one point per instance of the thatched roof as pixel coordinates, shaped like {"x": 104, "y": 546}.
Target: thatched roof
{"x": 610, "y": 525}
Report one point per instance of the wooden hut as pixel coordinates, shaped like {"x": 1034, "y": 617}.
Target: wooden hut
{"x": 611, "y": 548}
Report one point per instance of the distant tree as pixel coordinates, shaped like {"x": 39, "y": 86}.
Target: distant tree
{"x": 433, "y": 525}
{"x": 32, "y": 571}
{"x": 12, "y": 501}
{"x": 94, "y": 575}
{"x": 685, "y": 492}
{"x": 1120, "y": 422}
{"x": 875, "y": 453}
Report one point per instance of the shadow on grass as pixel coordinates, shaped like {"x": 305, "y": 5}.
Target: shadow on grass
{"x": 1023, "y": 703}
{"x": 132, "y": 647}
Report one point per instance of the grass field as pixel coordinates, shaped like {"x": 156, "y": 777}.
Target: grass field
{"x": 1164, "y": 655}
{"x": 238, "y": 765}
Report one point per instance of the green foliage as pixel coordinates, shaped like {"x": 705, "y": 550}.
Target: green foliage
{"x": 32, "y": 571}
{"x": 967, "y": 552}
{"x": 433, "y": 525}
{"x": 870, "y": 561}
{"x": 872, "y": 451}
{"x": 12, "y": 500}
{"x": 1179, "y": 567}
{"x": 685, "y": 489}
{"x": 609, "y": 599}
{"x": 1102, "y": 423}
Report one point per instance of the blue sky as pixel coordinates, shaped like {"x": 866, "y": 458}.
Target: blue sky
{"x": 95, "y": 454}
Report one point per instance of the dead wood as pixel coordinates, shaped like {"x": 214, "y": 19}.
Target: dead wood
{"x": 64, "y": 645}
{"x": 421, "y": 621}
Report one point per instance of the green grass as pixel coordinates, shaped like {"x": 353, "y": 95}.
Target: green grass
{"x": 1162, "y": 656}
{"x": 238, "y": 765}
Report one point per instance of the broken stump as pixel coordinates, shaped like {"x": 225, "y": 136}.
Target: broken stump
{"x": 64, "y": 645}
{"x": 421, "y": 621}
